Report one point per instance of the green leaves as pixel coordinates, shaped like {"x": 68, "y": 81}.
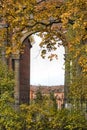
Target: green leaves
{"x": 9, "y": 118}
{"x": 35, "y": 117}
{"x": 6, "y": 79}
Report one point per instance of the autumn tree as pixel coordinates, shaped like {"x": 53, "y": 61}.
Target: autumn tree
{"x": 51, "y": 18}
{"x": 74, "y": 21}
{"x": 30, "y": 16}
{"x": 55, "y": 20}
{"x": 39, "y": 97}
{"x": 54, "y": 101}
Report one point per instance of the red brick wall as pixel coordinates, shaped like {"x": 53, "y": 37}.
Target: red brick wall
{"x": 25, "y": 73}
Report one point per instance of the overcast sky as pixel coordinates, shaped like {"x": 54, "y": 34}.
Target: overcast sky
{"x": 43, "y": 71}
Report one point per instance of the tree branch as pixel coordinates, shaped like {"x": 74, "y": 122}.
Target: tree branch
{"x": 51, "y": 22}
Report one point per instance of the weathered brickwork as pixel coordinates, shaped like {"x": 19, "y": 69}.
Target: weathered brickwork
{"x": 25, "y": 73}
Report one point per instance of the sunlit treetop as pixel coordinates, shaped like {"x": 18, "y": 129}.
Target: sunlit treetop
{"x": 27, "y": 16}
{"x": 64, "y": 20}
{"x": 74, "y": 19}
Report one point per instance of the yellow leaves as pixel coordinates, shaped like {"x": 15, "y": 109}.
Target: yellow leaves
{"x": 65, "y": 17}
{"x": 76, "y": 25}
{"x": 14, "y": 49}
{"x": 83, "y": 63}
{"x": 85, "y": 23}
{"x": 47, "y": 9}
{"x": 52, "y": 56}
{"x": 28, "y": 15}
{"x": 8, "y": 50}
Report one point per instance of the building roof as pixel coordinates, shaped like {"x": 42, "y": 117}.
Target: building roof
{"x": 47, "y": 89}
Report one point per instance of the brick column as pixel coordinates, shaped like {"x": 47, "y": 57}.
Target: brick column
{"x": 25, "y": 74}
{"x": 17, "y": 83}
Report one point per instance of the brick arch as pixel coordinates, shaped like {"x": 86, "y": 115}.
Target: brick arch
{"x": 22, "y": 72}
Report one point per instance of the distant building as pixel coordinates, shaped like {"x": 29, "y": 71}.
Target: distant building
{"x": 45, "y": 90}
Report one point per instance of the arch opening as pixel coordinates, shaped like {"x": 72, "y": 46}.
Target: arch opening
{"x": 43, "y": 71}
